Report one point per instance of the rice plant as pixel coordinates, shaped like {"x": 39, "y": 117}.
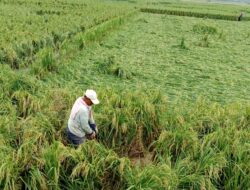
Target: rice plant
{"x": 21, "y": 83}
{"x": 25, "y": 103}
{"x": 35, "y": 179}
{"x": 9, "y": 56}
{"x": 22, "y": 46}
{"x": 110, "y": 66}
{"x": 204, "y": 42}
{"x": 128, "y": 113}
{"x": 58, "y": 107}
{"x": 99, "y": 165}
{"x": 153, "y": 177}
{"x": 178, "y": 144}
{"x": 53, "y": 156}
{"x": 204, "y": 29}
{"x": 183, "y": 44}
{"x": 38, "y": 129}
{"x": 45, "y": 63}
{"x": 222, "y": 35}
{"x": 235, "y": 151}
{"x": 9, "y": 170}
{"x": 81, "y": 43}
{"x": 181, "y": 12}
{"x": 48, "y": 60}
{"x": 201, "y": 144}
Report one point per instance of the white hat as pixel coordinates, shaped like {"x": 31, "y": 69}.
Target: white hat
{"x": 91, "y": 94}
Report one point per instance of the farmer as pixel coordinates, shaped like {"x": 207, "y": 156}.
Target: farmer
{"x": 81, "y": 124}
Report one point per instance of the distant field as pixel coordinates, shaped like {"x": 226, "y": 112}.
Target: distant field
{"x": 235, "y": 2}
{"x": 197, "y": 9}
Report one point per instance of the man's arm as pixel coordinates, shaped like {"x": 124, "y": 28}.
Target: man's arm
{"x": 91, "y": 117}
{"x": 92, "y": 122}
{"x": 83, "y": 117}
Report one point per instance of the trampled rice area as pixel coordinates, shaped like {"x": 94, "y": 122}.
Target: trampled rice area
{"x": 171, "y": 54}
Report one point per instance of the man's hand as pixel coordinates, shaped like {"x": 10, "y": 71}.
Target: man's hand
{"x": 91, "y": 136}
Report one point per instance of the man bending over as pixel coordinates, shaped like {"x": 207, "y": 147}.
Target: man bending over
{"x": 81, "y": 124}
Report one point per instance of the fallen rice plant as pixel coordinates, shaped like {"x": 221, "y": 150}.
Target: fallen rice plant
{"x": 21, "y": 48}
{"x": 109, "y": 66}
{"x": 204, "y": 29}
{"x": 204, "y": 42}
{"x": 25, "y": 103}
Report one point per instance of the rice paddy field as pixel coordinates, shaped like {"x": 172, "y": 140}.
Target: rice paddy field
{"x": 173, "y": 86}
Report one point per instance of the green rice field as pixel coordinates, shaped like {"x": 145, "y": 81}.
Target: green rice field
{"x": 173, "y": 86}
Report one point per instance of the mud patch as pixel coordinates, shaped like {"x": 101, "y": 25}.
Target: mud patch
{"x": 142, "y": 161}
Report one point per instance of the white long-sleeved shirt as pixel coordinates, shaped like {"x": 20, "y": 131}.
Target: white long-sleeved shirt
{"x": 80, "y": 117}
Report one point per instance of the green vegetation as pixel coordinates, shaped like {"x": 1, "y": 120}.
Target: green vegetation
{"x": 198, "y": 9}
{"x": 200, "y": 59}
{"x": 174, "y": 90}
{"x": 183, "y": 12}
{"x": 47, "y": 24}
